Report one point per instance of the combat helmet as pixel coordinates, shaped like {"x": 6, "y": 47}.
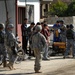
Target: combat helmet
{"x": 38, "y": 28}
{"x": 2, "y": 26}
{"x": 10, "y": 26}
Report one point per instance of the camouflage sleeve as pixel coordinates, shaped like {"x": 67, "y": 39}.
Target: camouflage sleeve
{"x": 11, "y": 37}
{"x": 5, "y": 38}
{"x": 12, "y": 40}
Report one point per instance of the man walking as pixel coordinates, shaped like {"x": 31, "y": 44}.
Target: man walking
{"x": 38, "y": 43}
{"x": 70, "y": 41}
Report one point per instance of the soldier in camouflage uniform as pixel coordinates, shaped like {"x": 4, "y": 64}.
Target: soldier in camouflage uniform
{"x": 11, "y": 41}
{"x": 38, "y": 43}
{"x": 2, "y": 44}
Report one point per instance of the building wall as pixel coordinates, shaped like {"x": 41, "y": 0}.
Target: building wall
{"x": 67, "y": 20}
{"x": 11, "y": 12}
{"x": 36, "y": 4}
{"x": 2, "y": 12}
{"x": 22, "y": 3}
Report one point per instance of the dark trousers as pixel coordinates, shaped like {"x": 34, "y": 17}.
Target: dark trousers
{"x": 30, "y": 51}
{"x": 24, "y": 43}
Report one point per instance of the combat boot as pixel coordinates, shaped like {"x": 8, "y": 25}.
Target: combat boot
{"x": 4, "y": 63}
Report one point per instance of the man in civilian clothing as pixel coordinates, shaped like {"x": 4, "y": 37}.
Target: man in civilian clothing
{"x": 30, "y": 32}
{"x": 63, "y": 31}
{"x": 56, "y": 32}
{"x": 46, "y": 33}
{"x": 70, "y": 41}
{"x": 24, "y": 35}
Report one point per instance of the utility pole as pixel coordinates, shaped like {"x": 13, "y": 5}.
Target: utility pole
{"x": 25, "y": 8}
{"x": 7, "y": 20}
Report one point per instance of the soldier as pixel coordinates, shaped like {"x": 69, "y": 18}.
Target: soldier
{"x": 38, "y": 43}
{"x": 2, "y": 44}
{"x": 11, "y": 41}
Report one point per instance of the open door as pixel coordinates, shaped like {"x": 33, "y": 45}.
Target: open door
{"x": 21, "y": 16}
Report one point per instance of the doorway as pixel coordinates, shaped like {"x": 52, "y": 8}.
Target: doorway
{"x": 20, "y": 18}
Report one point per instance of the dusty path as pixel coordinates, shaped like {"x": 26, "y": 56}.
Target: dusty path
{"x": 67, "y": 70}
{"x": 55, "y": 66}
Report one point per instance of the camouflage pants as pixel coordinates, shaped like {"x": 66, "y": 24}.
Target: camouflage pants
{"x": 37, "y": 54}
{"x": 12, "y": 56}
{"x": 3, "y": 52}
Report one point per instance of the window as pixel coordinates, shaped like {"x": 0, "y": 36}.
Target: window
{"x": 30, "y": 13}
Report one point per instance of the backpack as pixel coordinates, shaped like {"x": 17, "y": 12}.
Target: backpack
{"x": 69, "y": 34}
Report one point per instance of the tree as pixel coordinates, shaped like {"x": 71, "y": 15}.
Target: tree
{"x": 58, "y": 8}
{"x": 71, "y": 9}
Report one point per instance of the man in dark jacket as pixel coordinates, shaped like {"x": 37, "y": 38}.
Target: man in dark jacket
{"x": 30, "y": 32}
{"x": 70, "y": 41}
{"x": 24, "y": 35}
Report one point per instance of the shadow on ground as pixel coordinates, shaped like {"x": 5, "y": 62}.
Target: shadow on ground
{"x": 20, "y": 74}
